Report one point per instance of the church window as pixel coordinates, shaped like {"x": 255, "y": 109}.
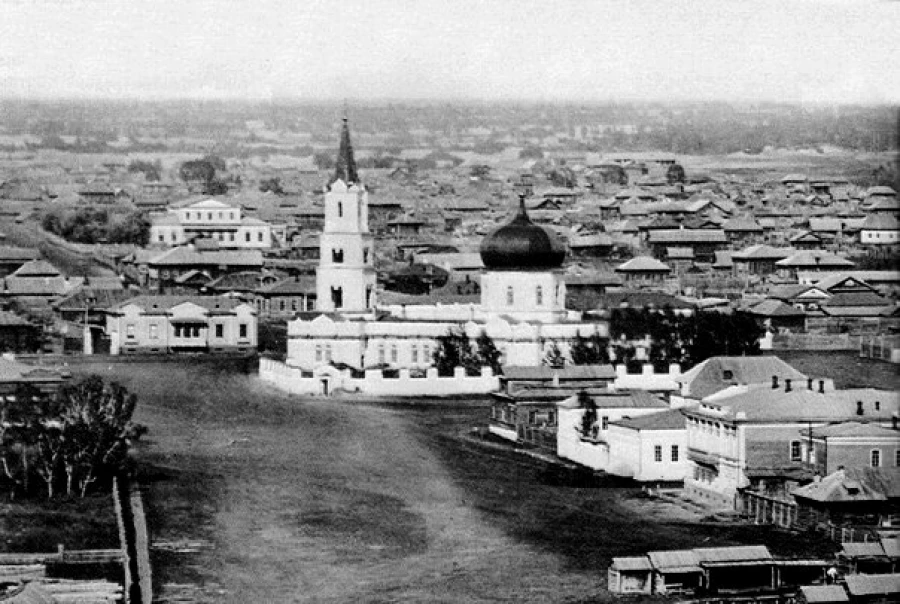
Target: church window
{"x": 340, "y": 209}
{"x": 209, "y": 215}
{"x": 337, "y": 297}
{"x": 259, "y": 236}
{"x": 337, "y": 256}
{"x": 510, "y": 298}
{"x": 539, "y": 295}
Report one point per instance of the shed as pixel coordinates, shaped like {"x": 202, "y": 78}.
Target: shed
{"x": 736, "y": 568}
{"x": 675, "y": 571}
{"x": 633, "y": 574}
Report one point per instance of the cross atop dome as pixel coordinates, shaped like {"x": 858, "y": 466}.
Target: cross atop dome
{"x": 345, "y": 166}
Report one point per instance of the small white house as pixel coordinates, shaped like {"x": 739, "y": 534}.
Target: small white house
{"x": 649, "y": 448}
{"x": 593, "y": 449}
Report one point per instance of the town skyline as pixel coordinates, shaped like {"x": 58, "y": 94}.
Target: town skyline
{"x": 807, "y": 52}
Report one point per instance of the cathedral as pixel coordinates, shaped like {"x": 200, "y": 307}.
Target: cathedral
{"x": 522, "y": 306}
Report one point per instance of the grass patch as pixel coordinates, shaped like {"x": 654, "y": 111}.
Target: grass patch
{"x": 39, "y": 526}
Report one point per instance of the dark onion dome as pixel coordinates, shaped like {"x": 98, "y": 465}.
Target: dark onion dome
{"x": 522, "y": 245}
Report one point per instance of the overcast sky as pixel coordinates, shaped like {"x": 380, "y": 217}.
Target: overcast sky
{"x": 780, "y": 50}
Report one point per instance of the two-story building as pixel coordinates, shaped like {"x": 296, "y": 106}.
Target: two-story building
{"x": 171, "y": 324}
{"x": 210, "y": 219}
{"x": 750, "y": 437}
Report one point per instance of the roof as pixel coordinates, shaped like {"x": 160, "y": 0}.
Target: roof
{"x": 165, "y": 303}
{"x": 642, "y": 299}
{"x": 741, "y": 224}
{"x": 866, "y": 585}
{"x": 571, "y": 372}
{"x": 824, "y": 594}
{"x": 872, "y": 549}
{"x": 37, "y": 268}
{"x": 609, "y": 399}
{"x": 294, "y": 285}
{"x": 676, "y": 561}
{"x": 680, "y": 253}
{"x": 858, "y": 298}
{"x": 763, "y": 252}
{"x": 764, "y": 404}
{"x": 183, "y": 256}
{"x": 728, "y": 555}
{"x": 880, "y": 222}
{"x": 632, "y": 563}
{"x": 814, "y": 258}
{"x": 839, "y": 487}
{"x": 8, "y": 253}
{"x": 671, "y": 419}
{"x": 665, "y": 236}
{"x": 643, "y": 264}
{"x": 854, "y": 429}
{"x": 776, "y": 308}
{"x": 709, "y": 376}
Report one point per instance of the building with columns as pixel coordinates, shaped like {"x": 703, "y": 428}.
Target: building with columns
{"x": 522, "y": 306}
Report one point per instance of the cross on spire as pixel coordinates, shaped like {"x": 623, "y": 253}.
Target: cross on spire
{"x": 345, "y": 166}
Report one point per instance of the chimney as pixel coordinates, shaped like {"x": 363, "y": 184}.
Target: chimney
{"x": 809, "y": 383}
{"x": 774, "y": 382}
{"x": 787, "y": 385}
{"x": 821, "y": 386}
{"x": 859, "y": 408}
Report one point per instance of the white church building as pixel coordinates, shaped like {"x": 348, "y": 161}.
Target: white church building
{"x": 522, "y": 293}
{"x": 522, "y": 306}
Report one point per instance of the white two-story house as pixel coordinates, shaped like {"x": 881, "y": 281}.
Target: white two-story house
{"x": 210, "y": 219}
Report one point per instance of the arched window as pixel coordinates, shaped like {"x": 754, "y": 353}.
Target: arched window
{"x": 539, "y": 295}
{"x": 340, "y": 209}
{"x": 510, "y": 298}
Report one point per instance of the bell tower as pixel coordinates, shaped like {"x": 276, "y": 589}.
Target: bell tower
{"x": 345, "y": 279}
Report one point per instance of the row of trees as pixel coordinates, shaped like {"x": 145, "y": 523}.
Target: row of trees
{"x": 456, "y": 349}
{"x": 68, "y": 443}
{"x": 687, "y": 340}
{"x": 97, "y": 225}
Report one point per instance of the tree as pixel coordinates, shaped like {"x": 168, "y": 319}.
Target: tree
{"x": 197, "y": 170}
{"x": 554, "y": 356}
{"x": 588, "y": 415}
{"x": 272, "y": 184}
{"x": 488, "y": 354}
{"x": 151, "y": 170}
{"x": 589, "y": 351}
{"x": 675, "y": 173}
{"x": 454, "y": 349}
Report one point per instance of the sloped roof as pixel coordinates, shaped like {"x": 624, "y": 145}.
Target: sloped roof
{"x": 738, "y": 553}
{"x": 811, "y": 258}
{"x": 675, "y": 561}
{"x": 824, "y": 594}
{"x": 742, "y": 224}
{"x": 709, "y": 376}
{"x": 632, "y": 563}
{"x": 776, "y": 308}
{"x": 304, "y": 285}
{"x": 686, "y": 236}
{"x": 37, "y": 268}
{"x": 858, "y": 298}
{"x": 839, "y": 487}
{"x": 183, "y": 256}
{"x": 165, "y": 303}
{"x": 671, "y": 419}
{"x": 762, "y": 403}
{"x": 872, "y": 585}
{"x": 880, "y": 222}
{"x": 643, "y": 264}
{"x": 9, "y": 253}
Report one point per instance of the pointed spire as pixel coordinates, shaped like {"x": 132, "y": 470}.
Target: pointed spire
{"x": 345, "y": 167}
